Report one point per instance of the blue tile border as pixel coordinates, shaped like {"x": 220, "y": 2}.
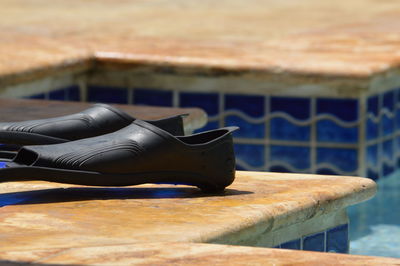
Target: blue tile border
{"x": 329, "y": 131}
{"x": 294, "y": 244}
{"x": 247, "y": 130}
{"x": 298, "y": 108}
{"x": 315, "y": 242}
{"x": 343, "y": 159}
{"x": 209, "y": 102}
{"x": 251, "y": 154}
{"x": 281, "y": 129}
{"x": 40, "y": 96}
{"x": 152, "y": 97}
{"x": 107, "y": 95}
{"x": 315, "y": 124}
{"x": 373, "y": 105}
{"x": 70, "y": 93}
{"x": 334, "y": 239}
{"x": 66, "y": 94}
{"x": 280, "y": 153}
{"x": 344, "y": 109}
{"x": 337, "y": 239}
{"x": 251, "y": 105}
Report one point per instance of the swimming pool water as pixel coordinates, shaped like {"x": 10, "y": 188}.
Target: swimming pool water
{"x": 375, "y": 224}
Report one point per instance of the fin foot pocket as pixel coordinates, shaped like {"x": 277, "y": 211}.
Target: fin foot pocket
{"x": 205, "y": 160}
{"x": 26, "y": 157}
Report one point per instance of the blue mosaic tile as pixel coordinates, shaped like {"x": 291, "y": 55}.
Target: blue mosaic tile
{"x": 65, "y": 94}
{"x": 57, "y": 95}
{"x": 387, "y": 125}
{"x": 251, "y": 105}
{"x": 387, "y": 170}
{"x": 329, "y": 131}
{"x": 252, "y": 154}
{"x": 387, "y": 149}
{"x": 301, "y": 160}
{"x": 73, "y": 93}
{"x": 294, "y": 244}
{"x": 397, "y": 119}
{"x": 326, "y": 171}
{"x": 344, "y": 159}
{"x": 240, "y": 167}
{"x": 208, "y": 126}
{"x": 344, "y": 109}
{"x": 107, "y": 95}
{"x": 337, "y": 239}
{"x": 372, "y": 105}
{"x": 247, "y": 129}
{"x": 372, "y": 130}
{"x": 281, "y": 129}
{"x": 398, "y": 95}
{"x": 388, "y": 100}
{"x": 372, "y": 174}
{"x": 209, "y": 102}
{"x": 372, "y": 155}
{"x": 278, "y": 246}
{"x": 315, "y": 242}
{"x": 39, "y": 96}
{"x": 279, "y": 169}
{"x": 298, "y": 108}
{"x": 152, "y": 97}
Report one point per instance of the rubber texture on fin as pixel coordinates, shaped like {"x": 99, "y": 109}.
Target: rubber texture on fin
{"x": 139, "y": 153}
{"x": 7, "y": 155}
{"x": 98, "y": 120}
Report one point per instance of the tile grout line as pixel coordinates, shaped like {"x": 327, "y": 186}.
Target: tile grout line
{"x": 362, "y": 116}
{"x": 130, "y": 90}
{"x": 380, "y": 135}
{"x": 83, "y": 89}
{"x": 394, "y": 153}
{"x": 267, "y": 126}
{"x": 221, "y": 109}
{"x": 313, "y": 137}
{"x": 175, "y": 99}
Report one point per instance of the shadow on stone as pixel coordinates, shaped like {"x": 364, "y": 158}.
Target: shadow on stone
{"x": 91, "y": 193}
{"x": 16, "y": 263}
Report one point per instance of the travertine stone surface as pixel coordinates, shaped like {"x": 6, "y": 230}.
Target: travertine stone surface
{"x": 273, "y": 238}
{"x": 21, "y": 109}
{"x": 354, "y": 38}
{"x": 185, "y": 254}
{"x": 64, "y": 216}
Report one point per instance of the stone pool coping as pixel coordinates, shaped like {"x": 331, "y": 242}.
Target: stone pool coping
{"x": 250, "y": 211}
{"x": 352, "y": 41}
{"x": 184, "y": 254}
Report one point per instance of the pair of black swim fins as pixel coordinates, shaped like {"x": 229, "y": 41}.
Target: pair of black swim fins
{"x": 103, "y": 146}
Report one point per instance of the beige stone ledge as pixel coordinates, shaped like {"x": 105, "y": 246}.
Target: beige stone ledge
{"x": 354, "y": 39}
{"x": 65, "y": 216}
{"x": 183, "y": 254}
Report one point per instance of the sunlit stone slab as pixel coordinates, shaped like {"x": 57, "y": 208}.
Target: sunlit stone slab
{"x": 256, "y": 205}
{"x": 186, "y": 254}
{"x": 351, "y": 38}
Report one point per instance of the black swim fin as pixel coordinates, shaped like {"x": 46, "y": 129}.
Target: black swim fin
{"x": 95, "y": 121}
{"x": 139, "y": 153}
